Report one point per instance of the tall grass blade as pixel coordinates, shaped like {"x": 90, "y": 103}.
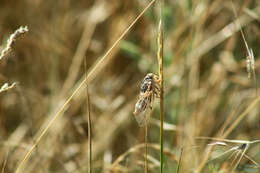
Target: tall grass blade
{"x": 89, "y": 122}
{"x": 160, "y": 62}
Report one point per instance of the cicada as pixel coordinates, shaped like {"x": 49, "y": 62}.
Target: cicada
{"x": 150, "y": 88}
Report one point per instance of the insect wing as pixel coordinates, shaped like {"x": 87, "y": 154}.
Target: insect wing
{"x": 142, "y": 110}
{"x": 142, "y": 118}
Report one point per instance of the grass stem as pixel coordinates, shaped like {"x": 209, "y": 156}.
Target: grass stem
{"x": 179, "y": 163}
{"x": 146, "y": 149}
{"x": 89, "y": 122}
{"x": 160, "y": 63}
{"x": 89, "y": 134}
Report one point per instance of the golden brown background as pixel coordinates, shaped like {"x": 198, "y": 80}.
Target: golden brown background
{"x": 206, "y": 83}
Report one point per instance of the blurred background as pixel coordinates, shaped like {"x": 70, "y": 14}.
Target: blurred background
{"x": 207, "y": 87}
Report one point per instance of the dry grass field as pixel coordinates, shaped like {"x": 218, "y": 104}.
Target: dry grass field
{"x": 211, "y": 78}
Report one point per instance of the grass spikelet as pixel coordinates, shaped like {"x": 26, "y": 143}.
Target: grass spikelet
{"x": 10, "y": 42}
{"x": 6, "y": 87}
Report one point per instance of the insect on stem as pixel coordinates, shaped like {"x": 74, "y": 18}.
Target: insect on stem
{"x": 149, "y": 89}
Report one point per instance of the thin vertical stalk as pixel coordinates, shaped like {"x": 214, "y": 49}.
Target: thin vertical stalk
{"x": 179, "y": 163}
{"x": 160, "y": 63}
{"x": 89, "y": 135}
{"x": 146, "y": 149}
{"x": 89, "y": 122}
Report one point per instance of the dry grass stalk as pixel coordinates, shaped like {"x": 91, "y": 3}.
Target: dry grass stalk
{"x": 250, "y": 59}
{"x": 5, "y": 161}
{"x": 6, "y": 87}
{"x": 10, "y": 42}
{"x": 89, "y": 123}
{"x": 241, "y": 116}
{"x": 85, "y": 81}
{"x": 241, "y": 148}
{"x": 89, "y": 134}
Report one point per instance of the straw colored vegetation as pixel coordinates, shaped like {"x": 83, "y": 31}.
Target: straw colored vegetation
{"x": 51, "y": 50}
